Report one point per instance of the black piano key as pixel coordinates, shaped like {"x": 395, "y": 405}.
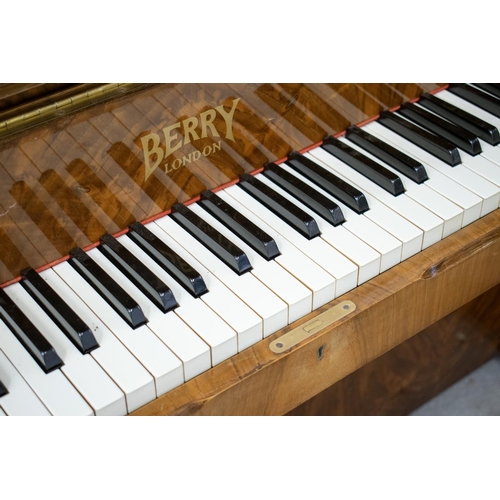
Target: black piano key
{"x": 223, "y": 248}
{"x": 293, "y": 215}
{"x": 485, "y": 131}
{"x": 141, "y": 276}
{"x": 249, "y": 232}
{"x": 3, "y": 389}
{"x": 489, "y": 103}
{"x": 317, "y": 202}
{"x": 492, "y": 88}
{"x": 436, "y": 146}
{"x": 372, "y": 170}
{"x": 398, "y": 160}
{"x": 30, "y": 337}
{"x": 328, "y": 181}
{"x": 63, "y": 316}
{"x": 170, "y": 261}
{"x": 107, "y": 288}
{"x": 463, "y": 139}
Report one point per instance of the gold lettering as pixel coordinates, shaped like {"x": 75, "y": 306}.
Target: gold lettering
{"x": 206, "y": 118}
{"x": 228, "y": 118}
{"x": 189, "y": 129}
{"x": 177, "y": 163}
{"x": 216, "y": 146}
{"x": 187, "y": 159}
{"x": 155, "y": 150}
{"x": 169, "y": 138}
{"x": 207, "y": 150}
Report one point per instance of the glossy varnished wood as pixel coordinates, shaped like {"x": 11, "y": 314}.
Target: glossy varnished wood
{"x": 391, "y": 308}
{"x": 83, "y": 174}
{"x": 420, "y": 368}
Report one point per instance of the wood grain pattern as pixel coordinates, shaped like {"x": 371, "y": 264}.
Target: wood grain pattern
{"x": 93, "y": 166}
{"x": 391, "y": 308}
{"x": 420, "y": 368}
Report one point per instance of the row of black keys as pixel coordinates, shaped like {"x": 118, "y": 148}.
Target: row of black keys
{"x": 441, "y": 136}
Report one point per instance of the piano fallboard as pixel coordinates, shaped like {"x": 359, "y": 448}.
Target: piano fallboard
{"x": 93, "y": 168}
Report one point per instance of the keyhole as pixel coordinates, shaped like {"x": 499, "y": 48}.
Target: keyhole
{"x": 321, "y": 351}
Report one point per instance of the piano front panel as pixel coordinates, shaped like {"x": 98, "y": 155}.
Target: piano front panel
{"x": 67, "y": 182}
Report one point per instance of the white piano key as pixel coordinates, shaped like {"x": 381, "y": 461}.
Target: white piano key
{"x": 389, "y": 247}
{"x": 363, "y": 256}
{"x": 482, "y": 166}
{"x": 418, "y": 215}
{"x": 257, "y": 296}
{"x": 449, "y": 212}
{"x": 53, "y": 389}
{"x": 177, "y": 335}
{"x": 460, "y": 173}
{"x": 491, "y": 153}
{"x": 21, "y": 400}
{"x": 455, "y": 192}
{"x": 132, "y": 378}
{"x": 287, "y": 287}
{"x": 320, "y": 282}
{"x": 154, "y": 355}
{"x": 102, "y": 394}
{"x": 344, "y": 271}
{"x": 246, "y": 323}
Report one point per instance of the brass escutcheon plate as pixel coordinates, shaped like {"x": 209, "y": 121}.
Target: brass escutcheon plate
{"x": 293, "y": 337}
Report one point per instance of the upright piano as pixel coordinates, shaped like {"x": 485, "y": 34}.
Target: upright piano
{"x": 245, "y": 249}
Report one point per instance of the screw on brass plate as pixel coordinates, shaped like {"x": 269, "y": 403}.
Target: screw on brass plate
{"x": 321, "y": 351}
{"x": 279, "y": 345}
{"x": 346, "y": 306}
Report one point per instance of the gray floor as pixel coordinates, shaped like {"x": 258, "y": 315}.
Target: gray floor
{"x": 476, "y": 394}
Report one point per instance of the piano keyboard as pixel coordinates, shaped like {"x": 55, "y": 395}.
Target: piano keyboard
{"x": 113, "y": 328}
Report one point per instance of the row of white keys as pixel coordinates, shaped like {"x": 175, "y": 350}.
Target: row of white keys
{"x": 451, "y": 214}
{"x": 249, "y": 289}
{"x": 218, "y": 340}
{"x": 297, "y": 297}
{"x": 485, "y": 163}
{"x": 479, "y": 164}
{"x": 132, "y": 378}
{"x": 91, "y": 381}
{"x": 246, "y": 324}
{"x": 470, "y": 202}
{"x": 320, "y": 282}
{"x": 385, "y": 244}
{"x": 431, "y": 226}
{"x": 363, "y": 256}
{"x": 152, "y": 353}
{"x": 460, "y": 173}
{"x": 342, "y": 269}
{"x": 21, "y": 400}
{"x": 488, "y": 151}
{"x": 54, "y": 390}
{"x": 392, "y": 214}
